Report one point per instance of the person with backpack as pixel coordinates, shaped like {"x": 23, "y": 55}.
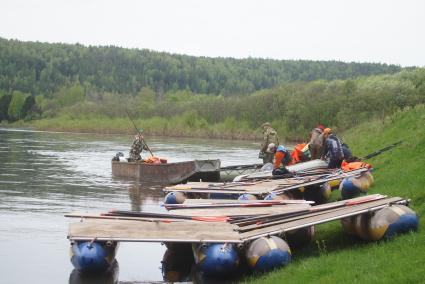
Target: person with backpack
{"x": 332, "y": 149}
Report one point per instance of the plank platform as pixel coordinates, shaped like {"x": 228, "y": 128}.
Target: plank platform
{"x": 139, "y": 231}
{"x": 261, "y": 187}
{"x": 245, "y": 224}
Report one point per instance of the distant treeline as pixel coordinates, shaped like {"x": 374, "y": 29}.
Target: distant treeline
{"x": 43, "y": 69}
{"x": 77, "y": 88}
{"x": 292, "y": 108}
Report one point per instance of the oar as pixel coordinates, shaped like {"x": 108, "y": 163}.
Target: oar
{"x": 378, "y": 152}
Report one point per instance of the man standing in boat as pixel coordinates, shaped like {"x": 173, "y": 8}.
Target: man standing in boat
{"x": 137, "y": 147}
{"x": 269, "y": 136}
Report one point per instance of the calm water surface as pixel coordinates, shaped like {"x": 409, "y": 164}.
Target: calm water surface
{"x": 45, "y": 175}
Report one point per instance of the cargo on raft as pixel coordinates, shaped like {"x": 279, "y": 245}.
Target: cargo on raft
{"x": 224, "y": 235}
{"x": 168, "y": 173}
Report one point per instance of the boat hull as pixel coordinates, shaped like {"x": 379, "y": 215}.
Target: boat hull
{"x": 169, "y": 173}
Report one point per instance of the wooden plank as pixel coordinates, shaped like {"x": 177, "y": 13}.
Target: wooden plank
{"x": 125, "y": 230}
{"x": 99, "y": 216}
{"x": 244, "y": 211}
{"x": 236, "y": 201}
{"x": 318, "y": 219}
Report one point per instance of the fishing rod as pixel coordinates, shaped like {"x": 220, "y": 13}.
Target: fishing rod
{"x": 378, "y": 152}
{"x": 139, "y": 133}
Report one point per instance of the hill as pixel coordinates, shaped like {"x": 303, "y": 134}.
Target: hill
{"x": 335, "y": 257}
{"x": 42, "y": 68}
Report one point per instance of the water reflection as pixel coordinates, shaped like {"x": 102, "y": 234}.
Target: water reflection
{"x": 109, "y": 277}
{"x": 44, "y": 175}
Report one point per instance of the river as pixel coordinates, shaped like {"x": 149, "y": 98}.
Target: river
{"x": 44, "y": 175}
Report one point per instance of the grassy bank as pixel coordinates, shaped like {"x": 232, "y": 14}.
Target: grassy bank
{"x": 183, "y": 126}
{"x": 333, "y": 256}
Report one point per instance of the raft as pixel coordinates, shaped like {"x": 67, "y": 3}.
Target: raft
{"x": 223, "y": 236}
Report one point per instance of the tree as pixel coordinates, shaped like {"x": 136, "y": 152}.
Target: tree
{"x": 4, "y": 106}
{"x": 15, "y": 106}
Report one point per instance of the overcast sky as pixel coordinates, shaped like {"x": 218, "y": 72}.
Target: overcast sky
{"x": 390, "y": 31}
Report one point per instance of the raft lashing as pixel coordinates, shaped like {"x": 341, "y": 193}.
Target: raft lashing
{"x": 226, "y": 235}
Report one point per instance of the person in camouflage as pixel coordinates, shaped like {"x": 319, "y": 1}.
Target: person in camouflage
{"x": 269, "y": 136}
{"x": 137, "y": 147}
{"x": 316, "y": 142}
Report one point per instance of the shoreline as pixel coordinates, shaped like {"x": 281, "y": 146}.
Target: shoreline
{"x": 203, "y": 134}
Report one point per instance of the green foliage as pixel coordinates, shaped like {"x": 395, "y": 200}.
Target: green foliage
{"x": 4, "y": 106}
{"x": 14, "y": 111}
{"x": 71, "y": 95}
{"x": 398, "y": 172}
{"x": 34, "y": 67}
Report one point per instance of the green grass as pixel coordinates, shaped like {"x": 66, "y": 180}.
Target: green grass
{"x": 186, "y": 125}
{"x": 334, "y": 257}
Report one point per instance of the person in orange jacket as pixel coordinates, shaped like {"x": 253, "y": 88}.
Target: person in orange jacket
{"x": 282, "y": 158}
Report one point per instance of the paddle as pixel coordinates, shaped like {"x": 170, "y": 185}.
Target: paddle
{"x": 380, "y": 151}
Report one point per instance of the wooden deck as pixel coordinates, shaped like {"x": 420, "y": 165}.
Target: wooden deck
{"x": 261, "y": 187}
{"x": 243, "y": 224}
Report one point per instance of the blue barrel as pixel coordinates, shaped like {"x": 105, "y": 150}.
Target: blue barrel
{"x": 216, "y": 259}
{"x": 247, "y": 196}
{"x": 391, "y": 221}
{"x": 353, "y": 186}
{"x": 300, "y": 237}
{"x": 174, "y": 198}
{"x": 93, "y": 256}
{"x": 274, "y": 196}
{"x": 267, "y": 253}
{"x": 176, "y": 265}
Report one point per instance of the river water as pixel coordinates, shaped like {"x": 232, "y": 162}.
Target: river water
{"x": 44, "y": 175}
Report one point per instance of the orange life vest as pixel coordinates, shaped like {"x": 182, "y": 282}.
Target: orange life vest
{"x": 297, "y": 153}
{"x": 155, "y": 160}
{"x": 346, "y": 167}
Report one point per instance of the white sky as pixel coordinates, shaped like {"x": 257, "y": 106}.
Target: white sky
{"x": 390, "y": 31}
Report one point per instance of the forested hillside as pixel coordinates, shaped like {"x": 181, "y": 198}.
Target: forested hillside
{"x": 42, "y": 68}
{"x": 77, "y": 88}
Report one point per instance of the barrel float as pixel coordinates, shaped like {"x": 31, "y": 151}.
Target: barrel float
{"x": 174, "y": 197}
{"x": 357, "y": 225}
{"x": 176, "y": 265}
{"x": 334, "y": 184}
{"x": 392, "y": 220}
{"x": 300, "y": 237}
{"x": 353, "y": 186}
{"x": 93, "y": 256}
{"x": 267, "y": 253}
{"x": 109, "y": 277}
{"x": 348, "y": 225}
{"x": 216, "y": 259}
{"x": 247, "y": 196}
{"x": 318, "y": 193}
{"x": 274, "y": 196}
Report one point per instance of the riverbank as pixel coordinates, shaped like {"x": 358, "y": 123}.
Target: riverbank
{"x": 336, "y": 257}
{"x": 229, "y": 129}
